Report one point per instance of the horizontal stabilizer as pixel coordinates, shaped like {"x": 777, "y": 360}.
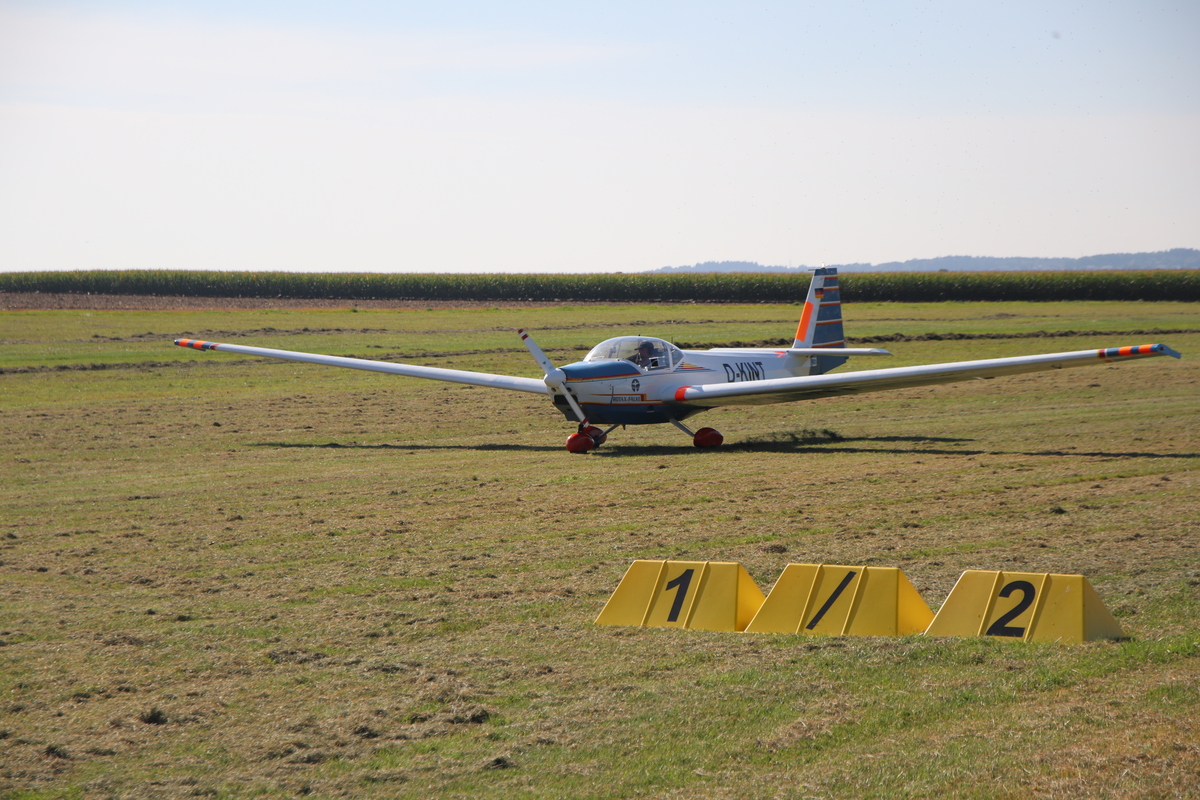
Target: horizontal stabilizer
{"x": 838, "y": 351}
{"x": 802, "y": 351}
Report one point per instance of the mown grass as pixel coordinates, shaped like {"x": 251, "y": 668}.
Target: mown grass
{"x": 331, "y": 583}
{"x": 713, "y": 287}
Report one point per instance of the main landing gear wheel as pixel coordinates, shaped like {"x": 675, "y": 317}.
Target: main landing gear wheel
{"x": 705, "y": 437}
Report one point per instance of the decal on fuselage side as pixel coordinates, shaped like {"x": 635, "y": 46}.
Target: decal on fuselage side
{"x": 745, "y": 371}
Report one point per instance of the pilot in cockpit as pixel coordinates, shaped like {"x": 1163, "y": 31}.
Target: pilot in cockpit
{"x": 645, "y": 355}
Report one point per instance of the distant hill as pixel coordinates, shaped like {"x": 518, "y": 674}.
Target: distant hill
{"x": 1179, "y": 258}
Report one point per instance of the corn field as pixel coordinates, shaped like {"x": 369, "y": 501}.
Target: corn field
{"x": 711, "y": 287}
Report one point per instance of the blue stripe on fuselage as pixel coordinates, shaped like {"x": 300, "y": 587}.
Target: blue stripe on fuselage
{"x": 600, "y": 370}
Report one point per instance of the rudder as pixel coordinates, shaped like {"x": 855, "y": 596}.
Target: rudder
{"x": 821, "y": 321}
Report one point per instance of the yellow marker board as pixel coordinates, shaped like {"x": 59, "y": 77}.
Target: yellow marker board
{"x": 839, "y": 600}
{"x": 1030, "y": 606}
{"x": 703, "y": 595}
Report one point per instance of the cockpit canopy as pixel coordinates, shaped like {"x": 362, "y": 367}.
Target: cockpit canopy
{"x": 642, "y": 351}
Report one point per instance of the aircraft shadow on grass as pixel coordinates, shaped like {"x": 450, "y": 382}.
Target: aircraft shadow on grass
{"x": 830, "y": 446}
{"x": 780, "y": 444}
{"x": 485, "y": 446}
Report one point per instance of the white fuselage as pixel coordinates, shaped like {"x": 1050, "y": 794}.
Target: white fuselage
{"x": 622, "y": 392}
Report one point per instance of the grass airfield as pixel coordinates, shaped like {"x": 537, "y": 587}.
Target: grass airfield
{"x": 225, "y": 577}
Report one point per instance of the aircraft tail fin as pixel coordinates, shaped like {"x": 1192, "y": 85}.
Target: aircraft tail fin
{"x": 821, "y": 321}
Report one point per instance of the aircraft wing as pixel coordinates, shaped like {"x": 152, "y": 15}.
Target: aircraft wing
{"x": 531, "y": 385}
{"x": 785, "y": 390}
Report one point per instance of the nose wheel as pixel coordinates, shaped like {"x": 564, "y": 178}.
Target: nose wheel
{"x": 705, "y": 437}
{"x": 588, "y": 437}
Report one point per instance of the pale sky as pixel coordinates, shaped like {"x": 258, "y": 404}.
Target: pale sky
{"x": 592, "y": 137}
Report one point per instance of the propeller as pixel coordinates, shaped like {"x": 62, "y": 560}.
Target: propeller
{"x": 556, "y": 379}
